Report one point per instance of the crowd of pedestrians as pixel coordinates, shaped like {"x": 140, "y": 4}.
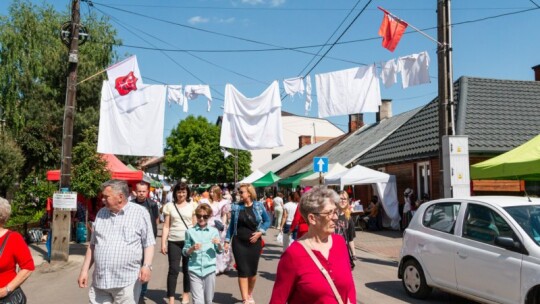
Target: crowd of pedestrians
{"x": 200, "y": 236}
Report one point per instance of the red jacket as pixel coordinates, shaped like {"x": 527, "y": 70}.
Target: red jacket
{"x": 299, "y": 222}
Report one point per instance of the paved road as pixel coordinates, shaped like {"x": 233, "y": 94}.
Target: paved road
{"x": 375, "y": 277}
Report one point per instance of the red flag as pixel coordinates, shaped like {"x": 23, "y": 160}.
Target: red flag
{"x": 391, "y": 30}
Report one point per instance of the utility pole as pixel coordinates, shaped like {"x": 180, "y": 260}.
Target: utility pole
{"x": 62, "y": 218}
{"x": 446, "y": 86}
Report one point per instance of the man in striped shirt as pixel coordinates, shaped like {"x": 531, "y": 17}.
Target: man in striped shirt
{"x": 122, "y": 232}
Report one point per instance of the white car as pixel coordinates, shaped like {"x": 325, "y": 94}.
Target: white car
{"x": 483, "y": 248}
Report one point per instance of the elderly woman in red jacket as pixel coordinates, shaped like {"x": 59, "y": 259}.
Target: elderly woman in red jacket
{"x": 14, "y": 252}
{"x": 299, "y": 279}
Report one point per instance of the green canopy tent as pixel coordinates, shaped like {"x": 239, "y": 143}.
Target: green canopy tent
{"x": 294, "y": 180}
{"x": 521, "y": 163}
{"x": 266, "y": 180}
{"x": 202, "y": 187}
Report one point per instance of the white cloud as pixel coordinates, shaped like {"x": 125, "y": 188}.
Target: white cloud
{"x": 197, "y": 20}
{"x": 275, "y": 3}
{"x": 225, "y": 20}
{"x": 253, "y": 2}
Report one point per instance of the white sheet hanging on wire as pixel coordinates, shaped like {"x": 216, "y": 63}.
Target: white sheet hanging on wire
{"x": 414, "y": 69}
{"x": 175, "y": 94}
{"x": 252, "y": 123}
{"x": 349, "y": 91}
{"x": 138, "y": 132}
{"x": 193, "y": 91}
{"x": 308, "y": 94}
{"x": 294, "y": 86}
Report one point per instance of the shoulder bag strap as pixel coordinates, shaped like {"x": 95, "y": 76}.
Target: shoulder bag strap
{"x": 180, "y": 215}
{"x": 323, "y": 270}
{"x": 4, "y": 243}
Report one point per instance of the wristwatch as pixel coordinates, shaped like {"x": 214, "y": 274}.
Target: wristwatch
{"x": 148, "y": 265}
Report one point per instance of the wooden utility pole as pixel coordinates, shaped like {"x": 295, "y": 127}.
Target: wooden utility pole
{"x": 61, "y": 227}
{"x": 444, "y": 57}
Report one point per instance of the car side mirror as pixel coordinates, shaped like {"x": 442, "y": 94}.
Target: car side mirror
{"x": 510, "y": 244}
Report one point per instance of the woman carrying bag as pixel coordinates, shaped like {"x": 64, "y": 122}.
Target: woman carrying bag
{"x": 13, "y": 252}
{"x": 316, "y": 269}
{"x": 249, "y": 222}
{"x": 179, "y": 217}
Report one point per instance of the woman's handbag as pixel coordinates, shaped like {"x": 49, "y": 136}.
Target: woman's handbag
{"x": 323, "y": 270}
{"x": 17, "y": 296}
{"x": 219, "y": 225}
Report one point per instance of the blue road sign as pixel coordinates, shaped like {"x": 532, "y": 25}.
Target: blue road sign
{"x": 320, "y": 164}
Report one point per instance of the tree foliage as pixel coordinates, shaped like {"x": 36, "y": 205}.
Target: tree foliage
{"x": 11, "y": 160}
{"x": 29, "y": 204}
{"x": 193, "y": 152}
{"x": 89, "y": 168}
{"x": 33, "y": 76}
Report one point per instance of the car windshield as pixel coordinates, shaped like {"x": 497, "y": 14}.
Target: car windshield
{"x": 528, "y": 217}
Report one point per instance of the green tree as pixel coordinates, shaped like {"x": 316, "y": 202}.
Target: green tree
{"x": 29, "y": 203}
{"x": 33, "y": 73}
{"x": 89, "y": 168}
{"x": 11, "y": 160}
{"x": 193, "y": 152}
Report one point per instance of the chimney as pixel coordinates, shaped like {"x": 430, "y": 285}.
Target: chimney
{"x": 385, "y": 110}
{"x": 356, "y": 121}
{"x": 304, "y": 140}
{"x": 536, "y": 70}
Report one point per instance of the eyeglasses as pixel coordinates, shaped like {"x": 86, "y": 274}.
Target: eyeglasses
{"x": 343, "y": 198}
{"x": 240, "y": 192}
{"x": 329, "y": 213}
{"x": 200, "y": 216}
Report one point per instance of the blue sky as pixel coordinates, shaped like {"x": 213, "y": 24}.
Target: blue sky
{"x": 220, "y": 49}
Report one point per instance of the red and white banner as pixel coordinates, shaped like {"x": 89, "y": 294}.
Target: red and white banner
{"x": 124, "y": 81}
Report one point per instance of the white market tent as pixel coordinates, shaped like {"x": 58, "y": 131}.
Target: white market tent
{"x": 313, "y": 179}
{"x": 252, "y": 177}
{"x": 384, "y": 184}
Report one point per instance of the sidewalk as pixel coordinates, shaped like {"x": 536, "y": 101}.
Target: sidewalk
{"x": 39, "y": 254}
{"x": 384, "y": 243}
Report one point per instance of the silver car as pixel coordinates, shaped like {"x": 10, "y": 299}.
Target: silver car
{"x": 483, "y": 248}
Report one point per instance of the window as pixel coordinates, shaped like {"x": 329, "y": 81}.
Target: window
{"x": 423, "y": 174}
{"x": 484, "y": 224}
{"x": 528, "y": 217}
{"x": 441, "y": 216}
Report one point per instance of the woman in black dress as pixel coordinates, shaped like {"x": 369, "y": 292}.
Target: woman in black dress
{"x": 249, "y": 222}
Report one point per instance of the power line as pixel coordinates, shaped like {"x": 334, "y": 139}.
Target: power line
{"x": 279, "y": 9}
{"x": 307, "y": 46}
{"x": 165, "y": 54}
{"x": 327, "y": 40}
{"x": 205, "y": 60}
{"x": 338, "y": 38}
{"x": 201, "y": 30}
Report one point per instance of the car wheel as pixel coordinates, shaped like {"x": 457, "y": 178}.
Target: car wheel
{"x": 414, "y": 280}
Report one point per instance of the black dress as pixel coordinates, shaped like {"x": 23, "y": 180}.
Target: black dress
{"x": 246, "y": 254}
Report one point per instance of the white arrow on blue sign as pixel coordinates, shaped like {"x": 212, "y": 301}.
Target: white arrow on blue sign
{"x": 320, "y": 164}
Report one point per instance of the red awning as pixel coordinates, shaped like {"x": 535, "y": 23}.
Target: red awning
{"x": 114, "y": 165}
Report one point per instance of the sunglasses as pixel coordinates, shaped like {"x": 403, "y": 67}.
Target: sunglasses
{"x": 240, "y": 192}
{"x": 329, "y": 213}
{"x": 200, "y": 216}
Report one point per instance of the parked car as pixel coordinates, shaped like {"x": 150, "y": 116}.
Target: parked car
{"x": 483, "y": 248}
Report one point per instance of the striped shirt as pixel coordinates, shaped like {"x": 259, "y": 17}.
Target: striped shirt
{"x": 118, "y": 241}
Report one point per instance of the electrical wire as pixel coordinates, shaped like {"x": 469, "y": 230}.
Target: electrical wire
{"x": 308, "y": 46}
{"x": 327, "y": 40}
{"x": 338, "y": 38}
{"x": 165, "y": 54}
{"x": 203, "y": 30}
